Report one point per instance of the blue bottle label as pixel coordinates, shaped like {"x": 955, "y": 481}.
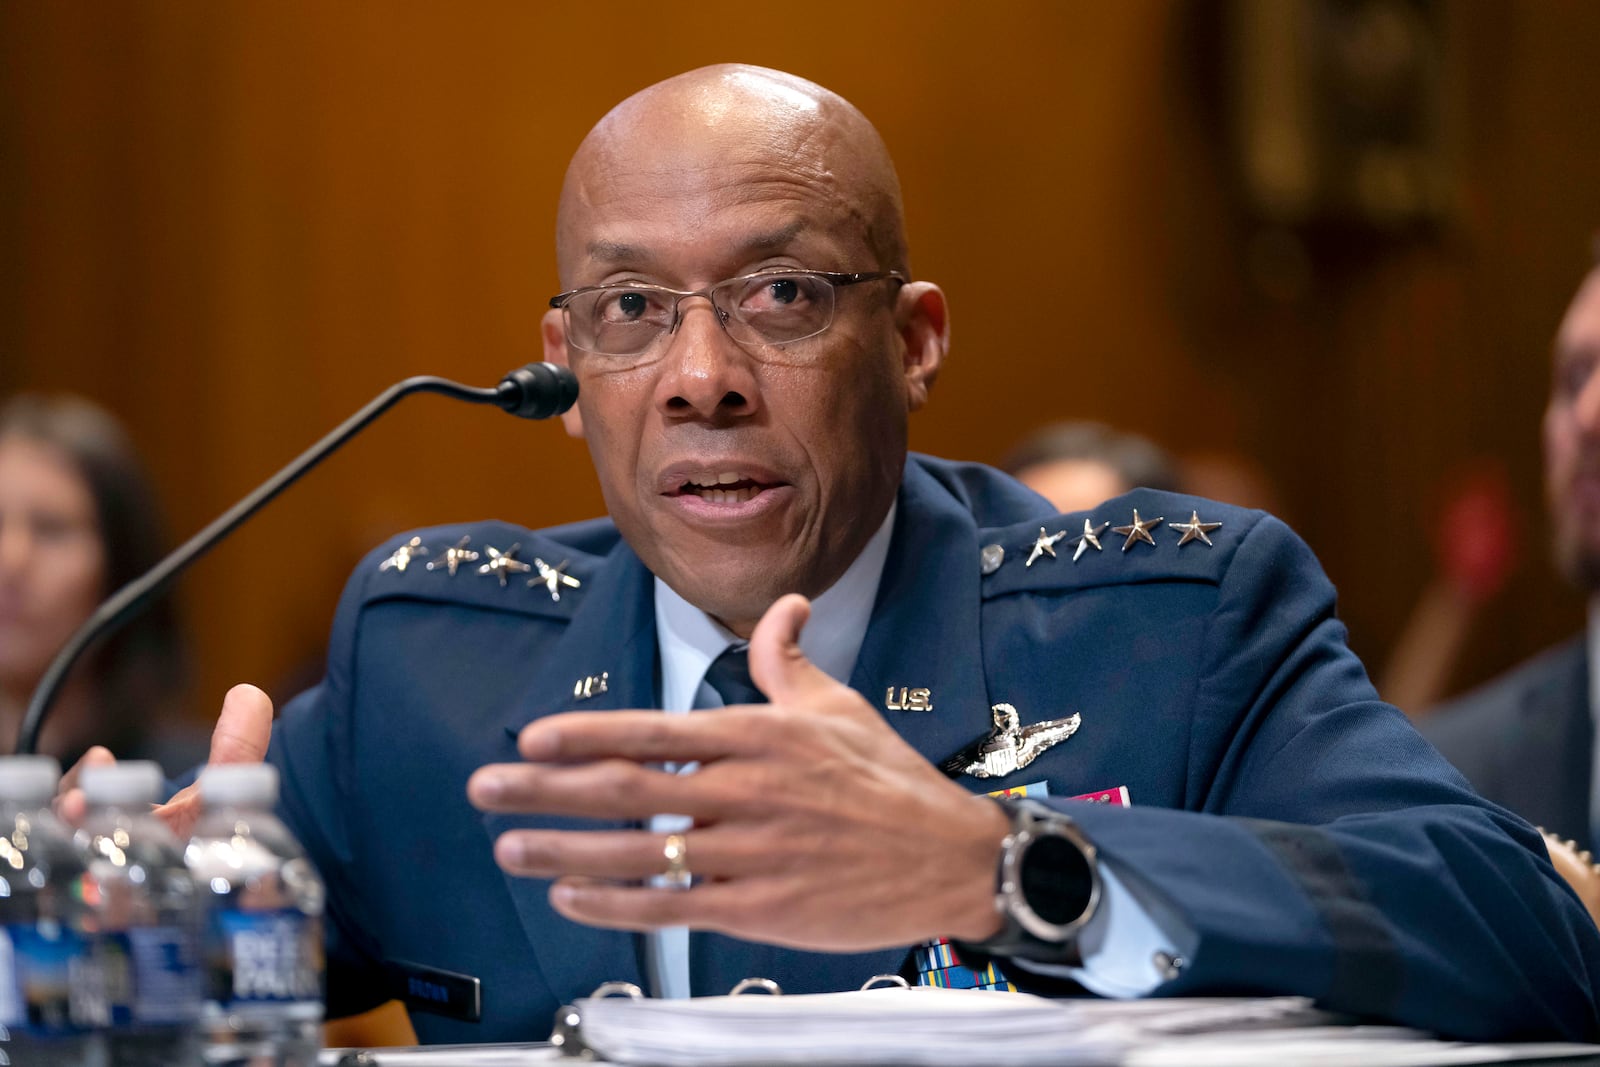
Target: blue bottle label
{"x": 49, "y": 984}
{"x": 152, "y": 976}
{"x": 272, "y": 958}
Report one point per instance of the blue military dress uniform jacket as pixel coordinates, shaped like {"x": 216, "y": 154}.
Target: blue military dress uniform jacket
{"x": 1354, "y": 865}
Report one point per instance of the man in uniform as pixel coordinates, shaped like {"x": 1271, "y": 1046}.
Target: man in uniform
{"x": 750, "y": 339}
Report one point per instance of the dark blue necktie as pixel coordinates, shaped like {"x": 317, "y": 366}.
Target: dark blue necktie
{"x": 729, "y": 675}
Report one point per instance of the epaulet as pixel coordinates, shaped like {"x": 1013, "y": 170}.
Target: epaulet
{"x": 497, "y": 566}
{"x": 1142, "y": 536}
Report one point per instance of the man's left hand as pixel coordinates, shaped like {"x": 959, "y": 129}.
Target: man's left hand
{"x": 815, "y": 825}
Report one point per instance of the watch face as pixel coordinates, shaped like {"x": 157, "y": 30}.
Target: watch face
{"x": 1057, "y": 882}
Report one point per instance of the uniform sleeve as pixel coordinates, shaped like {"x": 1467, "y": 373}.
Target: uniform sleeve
{"x": 309, "y": 746}
{"x": 1335, "y": 854}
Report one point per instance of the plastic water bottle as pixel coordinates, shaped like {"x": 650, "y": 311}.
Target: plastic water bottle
{"x": 50, "y": 997}
{"x": 263, "y": 944}
{"x": 146, "y": 919}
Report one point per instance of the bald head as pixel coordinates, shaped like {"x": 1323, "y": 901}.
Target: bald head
{"x": 731, "y": 131}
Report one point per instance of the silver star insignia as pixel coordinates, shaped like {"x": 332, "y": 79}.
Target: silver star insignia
{"x": 455, "y": 556}
{"x": 403, "y": 556}
{"x": 553, "y": 578}
{"x": 1089, "y": 538}
{"x": 1139, "y": 530}
{"x": 501, "y": 563}
{"x": 1044, "y": 545}
{"x": 1195, "y": 530}
{"x": 1010, "y": 746}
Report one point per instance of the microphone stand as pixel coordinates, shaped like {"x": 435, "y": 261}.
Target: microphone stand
{"x": 535, "y": 391}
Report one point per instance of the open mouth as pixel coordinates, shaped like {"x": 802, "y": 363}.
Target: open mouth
{"x": 725, "y": 487}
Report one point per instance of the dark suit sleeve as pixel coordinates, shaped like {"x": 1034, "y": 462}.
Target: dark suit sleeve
{"x": 1525, "y": 740}
{"x": 1335, "y": 854}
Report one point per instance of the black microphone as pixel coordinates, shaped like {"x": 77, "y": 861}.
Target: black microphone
{"x": 535, "y": 391}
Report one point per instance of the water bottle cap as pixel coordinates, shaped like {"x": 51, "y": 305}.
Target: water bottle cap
{"x": 254, "y": 784}
{"x": 129, "y": 782}
{"x": 29, "y": 778}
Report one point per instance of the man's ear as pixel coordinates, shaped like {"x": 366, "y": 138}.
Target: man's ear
{"x": 924, "y": 322}
{"x": 553, "y": 329}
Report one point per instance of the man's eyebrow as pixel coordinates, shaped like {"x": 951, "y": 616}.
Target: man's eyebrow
{"x": 606, "y": 251}
{"x": 771, "y": 241}
{"x": 614, "y": 252}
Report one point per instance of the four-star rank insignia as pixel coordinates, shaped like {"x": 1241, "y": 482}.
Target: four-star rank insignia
{"x": 455, "y": 556}
{"x": 1010, "y": 746}
{"x": 1140, "y": 529}
{"x": 502, "y": 563}
{"x": 403, "y": 556}
{"x": 552, "y": 578}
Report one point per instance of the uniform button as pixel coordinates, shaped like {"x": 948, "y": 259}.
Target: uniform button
{"x": 991, "y": 557}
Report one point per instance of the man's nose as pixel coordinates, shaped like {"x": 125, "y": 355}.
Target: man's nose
{"x": 706, "y": 373}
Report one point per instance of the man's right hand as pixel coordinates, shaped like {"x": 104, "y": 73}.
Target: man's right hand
{"x": 242, "y": 733}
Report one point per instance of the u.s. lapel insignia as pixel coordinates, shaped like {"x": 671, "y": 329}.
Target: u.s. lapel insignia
{"x": 590, "y": 685}
{"x": 502, "y": 563}
{"x": 455, "y": 556}
{"x": 1138, "y": 530}
{"x": 1090, "y": 538}
{"x": 553, "y": 578}
{"x": 1195, "y": 530}
{"x": 403, "y": 556}
{"x": 1010, "y": 746}
{"x": 1044, "y": 545}
{"x": 908, "y": 699}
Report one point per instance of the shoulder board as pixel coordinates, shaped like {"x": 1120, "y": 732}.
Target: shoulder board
{"x": 1175, "y": 537}
{"x": 493, "y": 565}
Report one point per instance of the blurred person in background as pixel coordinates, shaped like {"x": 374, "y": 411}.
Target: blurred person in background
{"x": 1076, "y": 465}
{"x": 78, "y": 520}
{"x": 1527, "y": 739}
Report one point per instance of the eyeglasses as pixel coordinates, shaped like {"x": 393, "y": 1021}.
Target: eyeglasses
{"x": 768, "y": 308}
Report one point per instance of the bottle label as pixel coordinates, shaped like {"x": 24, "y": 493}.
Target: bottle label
{"x": 152, "y": 976}
{"x": 273, "y": 958}
{"x": 49, "y": 984}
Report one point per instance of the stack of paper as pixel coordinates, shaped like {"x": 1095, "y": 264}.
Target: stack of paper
{"x": 933, "y": 1027}
{"x": 925, "y": 1027}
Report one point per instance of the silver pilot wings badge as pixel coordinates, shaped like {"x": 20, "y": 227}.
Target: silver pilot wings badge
{"x": 1010, "y": 746}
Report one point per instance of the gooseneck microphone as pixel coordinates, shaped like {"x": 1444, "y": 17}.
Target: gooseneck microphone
{"x": 535, "y": 391}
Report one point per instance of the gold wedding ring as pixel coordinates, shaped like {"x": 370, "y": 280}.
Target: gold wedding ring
{"x": 676, "y": 850}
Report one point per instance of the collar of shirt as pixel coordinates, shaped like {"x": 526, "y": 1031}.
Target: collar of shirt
{"x": 689, "y": 639}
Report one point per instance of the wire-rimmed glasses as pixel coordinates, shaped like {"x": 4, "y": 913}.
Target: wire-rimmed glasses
{"x": 623, "y": 321}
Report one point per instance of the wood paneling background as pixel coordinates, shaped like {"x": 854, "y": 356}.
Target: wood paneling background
{"x": 234, "y": 223}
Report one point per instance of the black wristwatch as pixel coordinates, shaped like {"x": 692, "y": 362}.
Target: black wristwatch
{"x": 1047, "y": 887}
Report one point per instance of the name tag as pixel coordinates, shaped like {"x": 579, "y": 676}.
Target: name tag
{"x": 428, "y": 989}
